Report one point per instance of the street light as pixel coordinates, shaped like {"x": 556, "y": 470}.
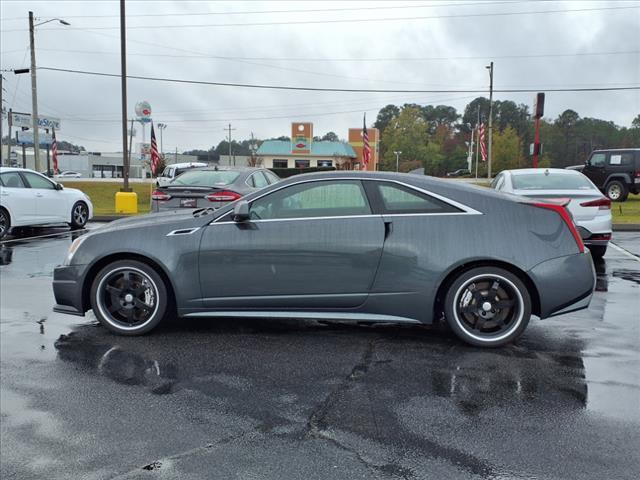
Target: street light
{"x": 34, "y": 87}
{"x": 398, "y": 153}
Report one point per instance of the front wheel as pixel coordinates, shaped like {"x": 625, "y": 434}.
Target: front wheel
{"x": 129, "y": 297}
{"x": 5, "y": 223}
{"x": 79, "y": 215}
{"x": 488, "y": 306}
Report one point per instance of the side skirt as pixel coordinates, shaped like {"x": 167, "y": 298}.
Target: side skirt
{"x": 356, "y": 317}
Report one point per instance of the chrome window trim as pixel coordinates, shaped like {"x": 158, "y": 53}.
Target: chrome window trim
{"x": 465, "y": 209}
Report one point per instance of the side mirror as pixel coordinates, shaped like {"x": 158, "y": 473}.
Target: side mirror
{"x": 241, "y": 211}
{"x": 59, "y": 186}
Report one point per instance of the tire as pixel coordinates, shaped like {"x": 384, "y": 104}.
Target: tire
{"x": 79, "y": 215}
{"x": 118, "y": 292}
{"x": 5, "y": 223}
{"x": 472, "y": 312}
{"x": 597, "y": 251}
{"x": 616, "y": 191}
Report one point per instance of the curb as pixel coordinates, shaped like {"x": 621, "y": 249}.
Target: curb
{"x": 109, "y": 218}
{"x": 626, "y": 227}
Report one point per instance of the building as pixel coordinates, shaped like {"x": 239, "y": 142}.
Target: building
{"x": 303, "y": 152}
{"x": 357, "y": 143}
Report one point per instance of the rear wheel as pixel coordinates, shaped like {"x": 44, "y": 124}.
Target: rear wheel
{"x": 129, "y": 297}
{"x": 616, "y": 191}
{"x": 5, "y": 223}
{"x": 79, "y": 215}
{"x": 597, "y": 251}
{"x": 488, "y": 306}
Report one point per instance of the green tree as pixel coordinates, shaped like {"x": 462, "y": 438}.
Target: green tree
{"x": 330, "y": 137}
{"x": 385, "y": 115}
{"x": 507, "y": 150}
{"x": 408, "y": 134}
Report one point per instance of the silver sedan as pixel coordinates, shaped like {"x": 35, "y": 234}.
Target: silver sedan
{"x": 591, "y": 211}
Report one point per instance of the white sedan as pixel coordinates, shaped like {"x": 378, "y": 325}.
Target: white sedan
{"x": 29, "y": 198}
{"x": 68, "y": 174}
{"x": 590, "y": 209}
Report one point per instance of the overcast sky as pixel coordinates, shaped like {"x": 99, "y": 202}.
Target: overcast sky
{"x": 457, "y": 40}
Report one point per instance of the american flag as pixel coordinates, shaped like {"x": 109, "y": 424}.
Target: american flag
{"x": 155, "y": 156}
{"x": 54, "y": 151}
{"x": 366, "y": 148}
{"x": 483, "y": 144}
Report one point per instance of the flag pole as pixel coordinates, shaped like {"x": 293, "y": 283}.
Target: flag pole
{"x": 478, "y": 146}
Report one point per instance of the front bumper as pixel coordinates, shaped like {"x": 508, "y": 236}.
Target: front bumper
{"x": 564, "y": 284}
{"x": 67, "y": 290}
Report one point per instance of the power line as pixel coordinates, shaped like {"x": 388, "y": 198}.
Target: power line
{"x": 326, "y": 89}
{"x": 342, "y": 59}
{"x": 255, "y": 12}
{"x": 342, "y": 20}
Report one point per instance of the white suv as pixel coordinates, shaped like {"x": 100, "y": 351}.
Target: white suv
{"x": 29, "y": 198}
{"x": 172, "y": 171}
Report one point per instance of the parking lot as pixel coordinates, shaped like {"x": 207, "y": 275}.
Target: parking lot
{"x": 253, "y": 399}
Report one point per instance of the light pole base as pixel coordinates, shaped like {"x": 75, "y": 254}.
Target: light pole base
{"x": 126, "y": 202}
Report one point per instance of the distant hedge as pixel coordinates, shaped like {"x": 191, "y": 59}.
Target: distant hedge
{"x": 290, "y": 172}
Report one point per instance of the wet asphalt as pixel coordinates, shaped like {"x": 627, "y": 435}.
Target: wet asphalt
{"x": 303, "y": 400}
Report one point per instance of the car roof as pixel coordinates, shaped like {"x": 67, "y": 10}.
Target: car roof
{"x": 15, "y": 169}
{"x": 187, "y": 164}
{"x": 617, "y": 150}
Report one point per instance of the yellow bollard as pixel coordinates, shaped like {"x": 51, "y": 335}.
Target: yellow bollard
{"x": 126, "y": 202}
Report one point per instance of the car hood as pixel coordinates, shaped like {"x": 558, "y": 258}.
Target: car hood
{"x": 177, "y": 217}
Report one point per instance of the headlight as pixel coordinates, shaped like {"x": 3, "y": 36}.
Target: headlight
{"x": 73, "y": 248}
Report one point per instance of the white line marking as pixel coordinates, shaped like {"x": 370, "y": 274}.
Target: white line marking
{"x": 624, "y": 252}
{"x": 42, "y": 236}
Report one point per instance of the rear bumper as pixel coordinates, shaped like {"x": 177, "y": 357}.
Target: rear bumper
{"x": 67, "y": 290}
{"x": 564, "y": 284}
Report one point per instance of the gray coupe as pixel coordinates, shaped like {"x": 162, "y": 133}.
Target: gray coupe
{"x": 353, "y": 246}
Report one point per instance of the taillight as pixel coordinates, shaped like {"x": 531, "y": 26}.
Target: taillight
{"x": 567, "y": 219}
{"x": 602, "y": 203}
{"x": 223, "y": 196}
{"x": 160, "y": 196}
{"x": 637, "y": 174}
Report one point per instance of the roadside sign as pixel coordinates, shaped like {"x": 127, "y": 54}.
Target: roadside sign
{"x": 25, "y": 137}
{"x": 24, "y": 120}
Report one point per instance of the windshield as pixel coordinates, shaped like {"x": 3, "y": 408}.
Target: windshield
{"x": 206, "y": 178}
{"x": 552, "y": 181}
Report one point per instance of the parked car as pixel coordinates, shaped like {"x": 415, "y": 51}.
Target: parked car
{"x": 210, "y": 187}
{"x": 29, "y": 198}
{"x": 341, "y": 245}
{"x": 459, "y": 173}
{"x": 590, "y": 210}
{"x": 67, "y": 174}
{"x": 172, "y": 171}
{"x": 615, "y": 172}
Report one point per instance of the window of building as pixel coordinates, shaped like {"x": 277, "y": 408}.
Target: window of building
{"x": 279, "y": 163}
{"x": 37, "y": 181}
{"x": 303, "y": 163}
{"x": 313, "y": 199}
{"x": 325, "y": 163}
{"x": 400, "y": 199}
{"x": 11, "y": 180}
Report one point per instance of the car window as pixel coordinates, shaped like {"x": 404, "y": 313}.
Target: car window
{"x": 12, "y": 180}
{"x": 495, "y": 181}
{"x": 552, "y": 181}
{"x": 500, "y": 182}
{"x": 36, "y": 181}
{"x": 271, "y": 177}
{"x": 621, "y": 158}
{"x": 313, "y": 199}
{"x": 400, "y": 199}
{"x": 258, "y": 180}
{"x": 598, "y": 160}
{"x": 206, "y": 178}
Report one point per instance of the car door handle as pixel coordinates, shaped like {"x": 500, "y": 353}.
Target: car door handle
{"x": 388, "y": 228}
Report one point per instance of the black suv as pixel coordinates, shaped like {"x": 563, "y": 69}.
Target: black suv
{"x": 616, "y": 172}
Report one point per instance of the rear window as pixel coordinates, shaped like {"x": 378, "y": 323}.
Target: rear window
{"x": 206, "y": 178}
{"x": 552, "y": 181}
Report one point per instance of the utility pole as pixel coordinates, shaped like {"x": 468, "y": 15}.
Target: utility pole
{"x": 123, "y": 83}
{"x": 234, "y": 160}
{"x": 490, "y": 67}
{"x": 161, "y": 127}
{"x": 34, "y": 96}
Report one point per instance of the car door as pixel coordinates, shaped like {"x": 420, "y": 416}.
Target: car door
{"x": 314, "y": 244}
{"x": 595, "y": 169}
{"x": 19, "y": 199}
{"x": 51, "y": 204}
